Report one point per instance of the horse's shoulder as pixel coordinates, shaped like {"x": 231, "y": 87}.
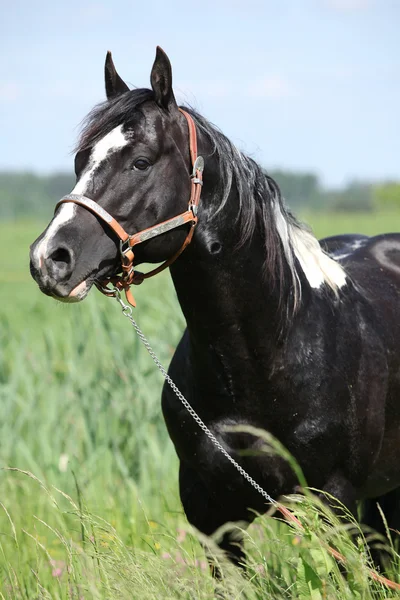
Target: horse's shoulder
{"x": 346, "y": 242}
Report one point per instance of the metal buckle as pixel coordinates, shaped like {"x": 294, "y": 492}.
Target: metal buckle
{"x": 126, "y": 275}
{"x": 124, "y": 247}
{"x": 198, "y": 166}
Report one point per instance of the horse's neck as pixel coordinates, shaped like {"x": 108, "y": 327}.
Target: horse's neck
{"x": 224, "y": 291}
{"x": 229, "y": 295}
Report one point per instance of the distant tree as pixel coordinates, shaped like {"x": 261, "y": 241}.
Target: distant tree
{"x": 355, "y": 197}
{"x": 30, "y": 195}
{"x": 27, "y": 194}
{"x": 298, "y": 189}
{"x": 387, "y": 195}
{"x": 59, "y": 184}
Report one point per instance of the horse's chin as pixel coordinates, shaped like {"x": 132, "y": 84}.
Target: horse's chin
{"x": 78, "y": 294}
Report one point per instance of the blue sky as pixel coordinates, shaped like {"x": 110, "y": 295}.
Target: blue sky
{"x": 298, "y": 84}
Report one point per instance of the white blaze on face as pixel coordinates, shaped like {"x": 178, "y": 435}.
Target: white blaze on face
{"x": 109, "y": 143}
{"x": 104, "y": 147}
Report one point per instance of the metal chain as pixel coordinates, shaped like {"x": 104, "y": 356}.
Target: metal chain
{"x": 127, "y": 312}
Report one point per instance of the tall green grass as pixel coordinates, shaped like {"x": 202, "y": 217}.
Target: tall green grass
{"x": 90, "y": 508}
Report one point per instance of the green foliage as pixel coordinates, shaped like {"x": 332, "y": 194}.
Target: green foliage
{"x": 328, "y": 223}
{"x": 387, "y": 195}
{"x": 298, "y": 189}
{"x": 355, "y": 197}
{"x": 28, "y": 195}
{"x": 91, "y": 507}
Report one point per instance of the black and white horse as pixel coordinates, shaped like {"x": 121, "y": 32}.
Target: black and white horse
{"x": 285, "y": 333}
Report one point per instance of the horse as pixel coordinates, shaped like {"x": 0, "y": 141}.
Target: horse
{"x": 284, "y": 333}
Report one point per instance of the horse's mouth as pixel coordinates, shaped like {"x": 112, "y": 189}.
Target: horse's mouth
{"x": 62, "y": 291}
{"x": 78, "y": 294}
{"x": 81, "y": 290}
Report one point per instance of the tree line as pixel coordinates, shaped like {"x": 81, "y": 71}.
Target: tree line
{"x": 31, "y": 195}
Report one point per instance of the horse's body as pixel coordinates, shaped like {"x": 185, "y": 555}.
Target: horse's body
{"x": 328, "y": 388}
{"x": 283, "y": 335}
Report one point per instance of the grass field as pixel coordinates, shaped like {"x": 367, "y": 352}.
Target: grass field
{"x": 89, "y": 497}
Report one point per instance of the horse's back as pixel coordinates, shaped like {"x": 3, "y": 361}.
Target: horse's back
{"x": 339, "y": 246}
{"x": 382, "y": 251}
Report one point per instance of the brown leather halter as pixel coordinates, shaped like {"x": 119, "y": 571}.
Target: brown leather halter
{"x": 129, "y": 276}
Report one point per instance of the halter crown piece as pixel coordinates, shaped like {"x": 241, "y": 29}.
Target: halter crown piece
{"x": 128, "y": 276}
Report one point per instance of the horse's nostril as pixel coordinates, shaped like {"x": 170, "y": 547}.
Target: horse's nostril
{"x": 60, "y": 263}
{"x": 61, "y": 257}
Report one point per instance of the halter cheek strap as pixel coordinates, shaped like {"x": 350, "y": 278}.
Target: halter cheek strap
{"x": 127, "y": 242}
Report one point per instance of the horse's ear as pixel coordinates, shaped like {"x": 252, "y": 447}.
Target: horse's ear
{"x": 161, "y": 80}
{"x": 114, "y": 84}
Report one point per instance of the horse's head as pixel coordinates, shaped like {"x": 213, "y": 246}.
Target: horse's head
{"x": 133, "y": 160}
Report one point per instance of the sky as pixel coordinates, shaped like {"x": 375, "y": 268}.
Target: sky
{"x": 304, "y": 85}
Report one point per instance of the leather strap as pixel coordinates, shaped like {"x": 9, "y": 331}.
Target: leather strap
{"x": 129, "y": 276}
{"x": 97, "y": 210}
{"x": 192, "y": 136}
{"x": 151, "y": 232}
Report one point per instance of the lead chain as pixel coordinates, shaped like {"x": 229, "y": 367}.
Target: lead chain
{"x": 127, "y": 312}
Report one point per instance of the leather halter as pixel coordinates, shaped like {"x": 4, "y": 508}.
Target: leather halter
{"x": 129, "y": 276}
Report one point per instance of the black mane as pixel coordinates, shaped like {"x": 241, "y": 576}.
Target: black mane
{"x": 259, "y": 196}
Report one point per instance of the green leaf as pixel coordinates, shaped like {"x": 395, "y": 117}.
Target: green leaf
{"x": 309, "y": 585}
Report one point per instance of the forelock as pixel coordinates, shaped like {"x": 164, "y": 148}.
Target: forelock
{"x": 110, "y": 114}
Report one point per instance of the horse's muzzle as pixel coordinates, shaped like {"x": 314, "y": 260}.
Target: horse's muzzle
{"x": 52, "y": 272}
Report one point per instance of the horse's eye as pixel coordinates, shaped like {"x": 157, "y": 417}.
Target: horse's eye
{"x": 141, "y": 164}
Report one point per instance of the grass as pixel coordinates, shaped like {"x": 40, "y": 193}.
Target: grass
{"x": 90, "y": 506}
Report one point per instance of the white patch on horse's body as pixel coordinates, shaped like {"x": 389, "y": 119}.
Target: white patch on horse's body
{"x": 348, "y": 249}
{"x": 359, "y": 244}
{"x": 317, "y": 266}
{"x": 341, "y": 256}
{"x": 382, "y": 251}
{"x": 109, "y": 143}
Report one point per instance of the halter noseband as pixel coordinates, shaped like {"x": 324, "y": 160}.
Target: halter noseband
{"x": 126, "y": 241}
